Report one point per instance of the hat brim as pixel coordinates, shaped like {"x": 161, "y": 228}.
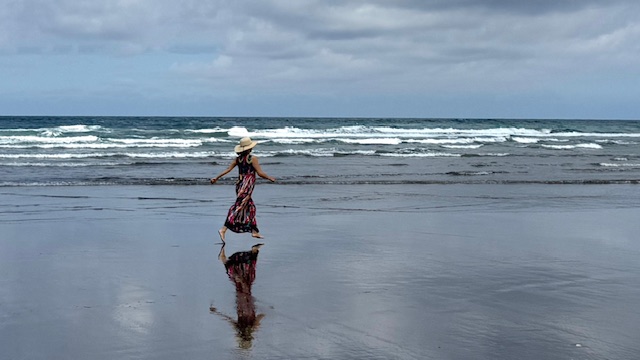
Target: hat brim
{"x": 239, "y": 148}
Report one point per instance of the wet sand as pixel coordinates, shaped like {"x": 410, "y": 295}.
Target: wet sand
{"x": 346, "y": 272}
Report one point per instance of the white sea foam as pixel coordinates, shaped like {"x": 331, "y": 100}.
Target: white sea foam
{"x": 309, "y": 152}
{"x": 320, "y": 152}
{"x": 355, "y": 130}
{"x": 207, "y": 131}
{"x": 497, "y": 139}
{"x": 51, "y": 133}
{"x": 619, "y": 165}
{"x": 357, "y": 152}
{"x": 462, "y": 146}
{"x": 291, "y": 132}
{"x": 79, "y": 128}
{"x": 57, "y": 129}
{"x": 380, "y": 135}
{"x": 159, "y": 155}
{"x": 441, "y": 141}
{"x": 96, "y": 146}
{"x": 39, "y": 139}
{"x": 169, "y": 155}
{"x": 576, "y": 146}
{"x": 60, "y": 130}
{"x": 494, "y": 154}
{"x": 604, "y": 135}
{"x": 52, "y": 156}
{"x": 63, "y": 164}
{"x": 617, "y": 142}
{"x": 559, "y": 147}
{"x": 34, "y": 183}
{"x": 373, "y": 141}
{"x": 430, "y": 154}
{"x": 493, "y": 132}
{"x": 93, "y": 142}
{"x": 523, "y": 140}
{"x": 70, "y": 142}
{"x": 359, "y": 131}
{"x": 218, "y": 140}
{"x": 156, "y": 142}
{"x": 297, "y": 141}
{"x": 239, "y": 131}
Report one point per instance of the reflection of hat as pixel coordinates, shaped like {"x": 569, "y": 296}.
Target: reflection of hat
{"x": 245, "y": 144}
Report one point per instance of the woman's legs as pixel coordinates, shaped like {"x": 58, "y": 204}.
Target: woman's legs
{"x": 221, "y": 232}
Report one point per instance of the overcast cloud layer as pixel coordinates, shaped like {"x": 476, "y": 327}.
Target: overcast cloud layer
{"x": 416, "y": 58}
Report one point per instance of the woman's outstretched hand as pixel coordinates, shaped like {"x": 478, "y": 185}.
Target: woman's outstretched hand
{"x": 214, "y": 180}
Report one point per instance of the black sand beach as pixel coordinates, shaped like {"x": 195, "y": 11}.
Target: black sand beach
{"x": 346, "y": 272}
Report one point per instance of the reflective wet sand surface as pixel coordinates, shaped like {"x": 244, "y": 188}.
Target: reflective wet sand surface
{"x": 346, "y": 272}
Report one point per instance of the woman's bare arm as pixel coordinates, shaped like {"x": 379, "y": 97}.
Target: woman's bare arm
{"x": 225, "y": 172}
{"x": 262, "y": 174}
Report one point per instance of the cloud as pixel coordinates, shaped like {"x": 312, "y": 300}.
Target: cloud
{"x": 332, "y": 47}
{"x": 417, "y": 46}
{"x": 537, "y": 8}
{"x": 278, "y": 30}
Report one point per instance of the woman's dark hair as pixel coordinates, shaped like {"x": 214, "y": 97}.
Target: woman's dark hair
{"x": 244, "y": 153}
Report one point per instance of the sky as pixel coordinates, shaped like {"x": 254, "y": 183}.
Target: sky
{"x": 558, "y": 59}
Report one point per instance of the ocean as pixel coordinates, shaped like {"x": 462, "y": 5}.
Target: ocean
{"x": 51, "y": 151}
{"x": 384, "y": 239}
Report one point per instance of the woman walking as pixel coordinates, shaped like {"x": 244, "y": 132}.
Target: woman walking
{"x": 242, "y": 214}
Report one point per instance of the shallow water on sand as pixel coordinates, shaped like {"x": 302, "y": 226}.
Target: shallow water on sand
{"x": 348, "y": 272}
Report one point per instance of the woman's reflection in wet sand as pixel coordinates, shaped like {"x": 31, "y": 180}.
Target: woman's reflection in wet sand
{"x": 241, "y": 269}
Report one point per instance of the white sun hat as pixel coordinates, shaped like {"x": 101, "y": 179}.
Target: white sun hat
{"x": 245, "y": 144}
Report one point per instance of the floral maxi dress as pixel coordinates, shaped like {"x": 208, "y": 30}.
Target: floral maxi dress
{"x": 242, "y": 215}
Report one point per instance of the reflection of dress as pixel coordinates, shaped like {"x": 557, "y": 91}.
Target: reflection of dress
{"x": 242, "y": 214}
{"x": 241, "y": 269}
